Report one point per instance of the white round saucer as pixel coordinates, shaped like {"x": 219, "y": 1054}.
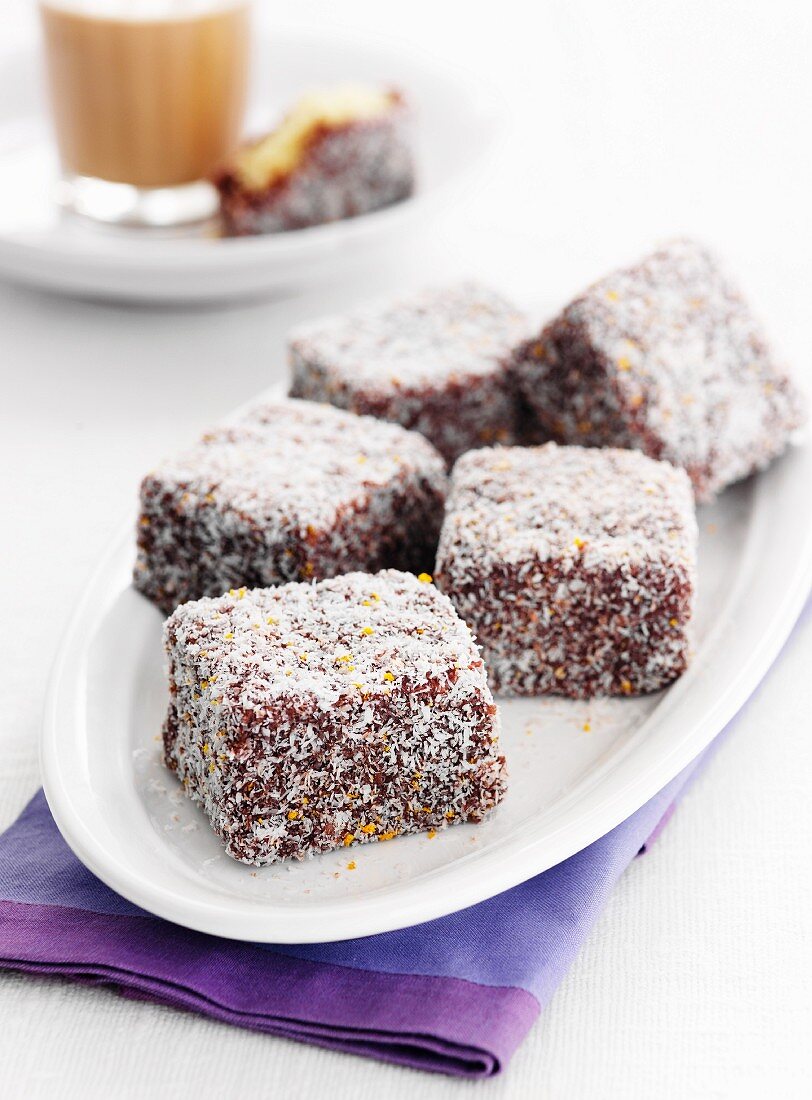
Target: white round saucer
{"x": 42, "y": 245}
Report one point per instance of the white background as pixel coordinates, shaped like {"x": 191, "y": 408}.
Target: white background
{"x": 630, "y": 121}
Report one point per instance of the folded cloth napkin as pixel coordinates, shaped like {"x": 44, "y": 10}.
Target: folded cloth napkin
{"x": 456, "y": 995}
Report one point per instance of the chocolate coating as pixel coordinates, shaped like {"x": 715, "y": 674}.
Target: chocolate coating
{"x": 288, "y": 490}
{"x": 437, "y": 362}
{"x": 665, "y": 357}
{"x": 574, "y": 567}
{"x": 314, "y": 716}
{"x": 356, "y": 168}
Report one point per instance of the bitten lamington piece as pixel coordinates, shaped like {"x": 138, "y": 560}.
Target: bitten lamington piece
{"x": 665, "y": 357}
{"x": 288, "y": 490}
{"x": 437, "y": 361}
{"x": 315, "y": 716}
{"x": 574, "y": 567}
{"x": 341, "y": 152}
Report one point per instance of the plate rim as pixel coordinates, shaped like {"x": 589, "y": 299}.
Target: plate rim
{"x": 417, "y": 901}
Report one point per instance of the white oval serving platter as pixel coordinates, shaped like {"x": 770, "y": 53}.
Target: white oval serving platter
{"x": 457, "y": 123}
{"x": 577, "y": 769}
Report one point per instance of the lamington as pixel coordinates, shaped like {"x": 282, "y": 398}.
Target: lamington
{"x": 288, "y": 490}
{"x": 666, "y": 357}
{"x": 574, "y": 567}
{"x": 317, "y": 716}
{"x": 340, "y": 152}
{"x": 437, "y": 361}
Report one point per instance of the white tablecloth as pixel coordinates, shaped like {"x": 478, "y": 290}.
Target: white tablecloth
{"x": 630, "y": 122}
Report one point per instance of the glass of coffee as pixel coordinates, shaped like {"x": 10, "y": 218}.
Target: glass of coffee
{"x": 147, "y": 96}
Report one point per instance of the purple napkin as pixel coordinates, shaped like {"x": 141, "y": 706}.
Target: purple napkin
{"x": 456, "y": 995}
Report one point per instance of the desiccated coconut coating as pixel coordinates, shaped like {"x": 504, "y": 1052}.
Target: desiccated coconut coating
{"x": 312, "y": 716}
{"x": 574, "y": 567}
{"x": 288, "y": 490}
{"x": 361, "y": 165}
{"x": 666, "y": 357}
{"x": 437, "y": 361}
